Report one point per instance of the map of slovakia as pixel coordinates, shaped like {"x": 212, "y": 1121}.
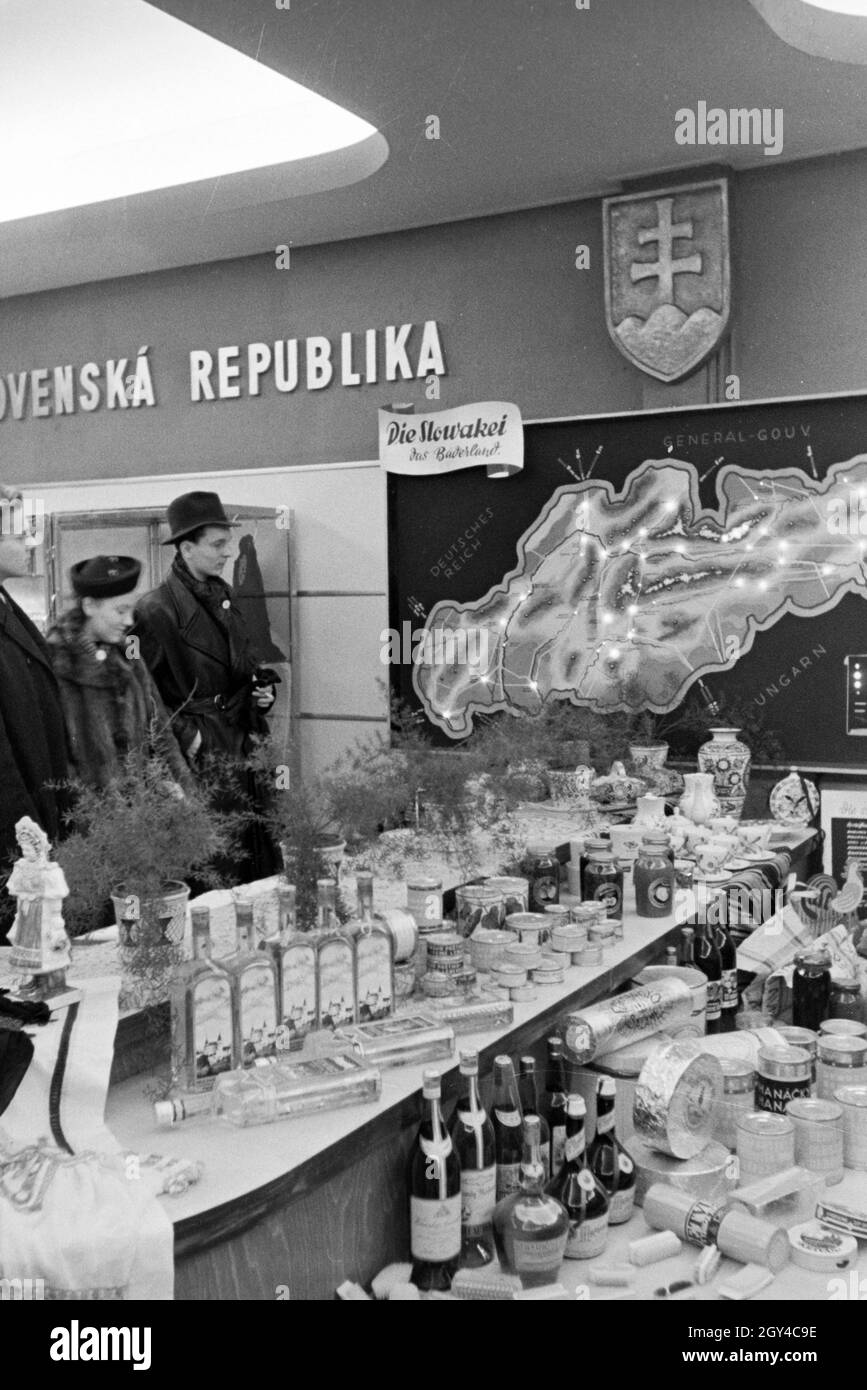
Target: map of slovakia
{"x": 624, "y": 600}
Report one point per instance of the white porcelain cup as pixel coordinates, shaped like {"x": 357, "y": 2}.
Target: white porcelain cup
{"x": 723, "y": 825}
{"x": 711, "y": 856}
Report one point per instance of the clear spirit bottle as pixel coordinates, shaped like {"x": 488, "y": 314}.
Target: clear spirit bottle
{"x": 254, "y": 994}
{"x": 473, "y": 1138}
{"x": 335, "y": 963}
{"x": 294, "y": 955}
{"x": 201, "y": 1013}
{"x": 530, "y": 1226}
{"x": 374, "y": 957}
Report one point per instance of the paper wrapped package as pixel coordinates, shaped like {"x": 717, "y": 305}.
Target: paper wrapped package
{"x": 628, "y": 1017}
{"x": 677, "y": 1092}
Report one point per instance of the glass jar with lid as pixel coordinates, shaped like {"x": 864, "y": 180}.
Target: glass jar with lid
{"x": 846, "y": 1000}
{"x": 603, "y": 880}
{"x": 543, "y": 876}
{"x": 653, "y": 876}
{"x": 811, "y": 988}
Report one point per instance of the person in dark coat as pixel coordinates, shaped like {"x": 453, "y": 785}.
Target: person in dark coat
{"x": 32, "y": 739}
{"x": 110, "y": 703}
{"x": 197, "y": 648}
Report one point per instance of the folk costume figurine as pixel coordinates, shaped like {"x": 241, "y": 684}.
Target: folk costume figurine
{"x": 111, "y": 705}
{"x": 40, "y": 945}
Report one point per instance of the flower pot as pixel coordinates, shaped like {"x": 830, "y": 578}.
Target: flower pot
{"x": 151, "y": 942}
{"x": 728, "y": 762}
{"x": 571, "y": 786}
{"x": 330, "y": 847}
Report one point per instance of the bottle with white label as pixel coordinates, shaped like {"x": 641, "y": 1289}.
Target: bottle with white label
{"x": 434, "y": 1196}
{"x": 528, "y": 1096}
{"x": 607, "y": 1158}
{"x": 254, "y": 994}
{"x": 531, "y": 1227}
{"x": 506, "y": 1117}
{"x": 475, "y": 1145}
{"x": 580, "y": 1190}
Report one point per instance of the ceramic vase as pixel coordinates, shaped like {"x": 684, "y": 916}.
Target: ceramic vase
{"x": 649, "y": 811}
{"x": 698, "y": 803}
{"x": 728, "y": 762}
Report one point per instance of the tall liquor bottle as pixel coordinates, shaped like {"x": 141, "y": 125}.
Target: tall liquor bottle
{"x": 607, "y": 1158}
{"x": 335, "y": 962}
{"x": 580, "y": 1190}
{"x": 555, "y": 1102}
{"x": 709, "y": 962}
{"x": 528, "y": 1096}
{"x": 295, "y": 957}
{"x": 374, "y": 956}
{"x": 506, "y": 1119}
{"x": 254, "y": 994}
{"x": 729, "y": 996}
{"x": 434, "y": 1196}
{"x": 473, "y": 1138}
{"x": 687, "y": 946}
{"x": 530, "y": 1226}
{"x": 201, "y": 1013}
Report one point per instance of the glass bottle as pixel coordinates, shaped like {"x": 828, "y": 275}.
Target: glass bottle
{"x": 335, "y": 962}
{"x": 529, "y": 1097}
{"x": 473, "y": 1138}
{"x": 811, "y": 989}
{"x": 603, "y": 882}
{"x": 671, "y": 955}
{"x": 687, "y": 946}
{"x": 592, "y": 844}
{"x": 608, "y": 1160}
{"x": 653, "y": 877}
{"x": 580, "y": 1191}
{"x": 201, "y": 1012}
{"x": 544, "y": 877}
{"x": 530, "y": 1226}
{"x": 729, "y": 995}
{"x": 846, "y": 1000}
{"x": 555, "y": 1102}
{"x": 708, "y": 961}
{"x": 295, "y": 955}
{"x": 374, "y": 956}
{"x": 506, "y": 1118}
{"x": 434, "y": 1196}
{"x": 254, "y": 994}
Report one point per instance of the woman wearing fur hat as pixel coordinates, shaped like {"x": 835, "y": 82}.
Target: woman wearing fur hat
{"x": 111, "y": 706}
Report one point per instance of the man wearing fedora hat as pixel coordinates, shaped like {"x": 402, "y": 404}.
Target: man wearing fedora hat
{"x": 195, "y": 643}
{"x": 33, "y": 757}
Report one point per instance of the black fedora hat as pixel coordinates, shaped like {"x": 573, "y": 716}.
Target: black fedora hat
{"x": 105, "y": 576}
{"x": 192, "y": 510}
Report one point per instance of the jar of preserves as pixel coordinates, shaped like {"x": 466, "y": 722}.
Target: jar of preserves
{"x": 543, "y": 876}
{"x": 846, "y": 1000}
{"x": 591, "y": 846}
{"x": 603, "y": 882}
{"x": 811, "y": 989}
{"x": 653, "y": 876}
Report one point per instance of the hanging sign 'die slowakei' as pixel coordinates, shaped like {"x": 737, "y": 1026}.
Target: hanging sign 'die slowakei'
{"x": 488, "y": 432}
{"x": 667, "y": 275}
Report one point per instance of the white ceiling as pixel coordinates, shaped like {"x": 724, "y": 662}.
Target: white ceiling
{"x": 538, "y": 103}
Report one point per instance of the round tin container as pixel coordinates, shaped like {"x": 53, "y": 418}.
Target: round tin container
{"x": 783, "y": 1074}
{"x": 766, "y": 1144}
{"x": 515, "y": 891}
{"x": 675, "y": 1098}
{"x": 453, "y": 966}
{"x": 814, "y": 1246}
{"x": 853, "y": 1099}
{"x": 601, "y": 932}
{"x": 561, "y": 958}
{"x": 707, "y": 1175}
{"x": 495, "y": 990}
{"x": 568, "y": 938}
{"x": 488, "y": 946}
{"x": 842, "y": 1028}
{"x": 585, "y": 914}
{"x": 446, "y": 945}
{"x": 555, "y": 976}
{"x": 522, "y": 994}
{"x": 818, "y": 1136}
{"x": 523, "y": 955}
{"x": 560, "y": 914}
{"x": 805, "y": 1038}
{"x": 438, "y": 986}
{"x": 509, "y": 976}
{"x": 739, "y": 1083}
{"x": 424, "y": 900}
{"x": 842, "y": 1062}
{"x": 588, "y": 955}
{"x": 534, "y": 927}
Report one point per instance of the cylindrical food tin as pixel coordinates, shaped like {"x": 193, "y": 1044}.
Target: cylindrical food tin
{"x": 842, "y": 1062}
{"x": 488, "y": 946}
{"x": 675, "y": 1098}
{"x": 602, "y": 933}
{"x": 842, "y": 1028}
{"x": 628, "y": 1017}
{"x": 818, "y": 1136}
{"x": 808, "y": 1040}
{"x": 404, "y": 931}
{"x": 478, "y": 905}
{"x": 783, "y": 1074}
{"x": 710, "y": 1174}
{"x": 853, "y": 1099}
{"x": 766, "y": 1144}
{"x": 739, "y": 1082}
{"x": 443, "y": 946}
{"x": 585, "y": 914}
{"x": 523, "y": 955}
{"x": 424, "y": 900}
{"x": 568, "y": 939}
{"x": 515, "y": 891}
{"x": 560, "y": 915}
{"x": 534, "y": 927}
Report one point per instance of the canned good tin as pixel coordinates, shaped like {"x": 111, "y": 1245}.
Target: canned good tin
{"x": 842, "y": 1028}
{"x": 585, "y": 914}
{"x": 783, "y": 1075}
{"x": 424, "y": 900}
{"x": 765, "y": 1145}
{"x": 515, "y": 891}
{"x": 534, "y": 927}
{"x": 808, "y": 1040}
{"x": 739, "y": 1081}
{"x": 444, "y": 946}
{"x": 842, "y": 1062}
{"x": 818, "y": 1136}
{"x": 853, "y": 1100}
{"x": 478, "y": 905}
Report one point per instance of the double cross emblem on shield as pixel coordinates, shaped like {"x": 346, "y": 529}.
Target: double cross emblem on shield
{"x": 667, "y": 275}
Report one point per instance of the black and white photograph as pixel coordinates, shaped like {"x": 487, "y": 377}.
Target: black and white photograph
{"x": 433, "y": 536}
